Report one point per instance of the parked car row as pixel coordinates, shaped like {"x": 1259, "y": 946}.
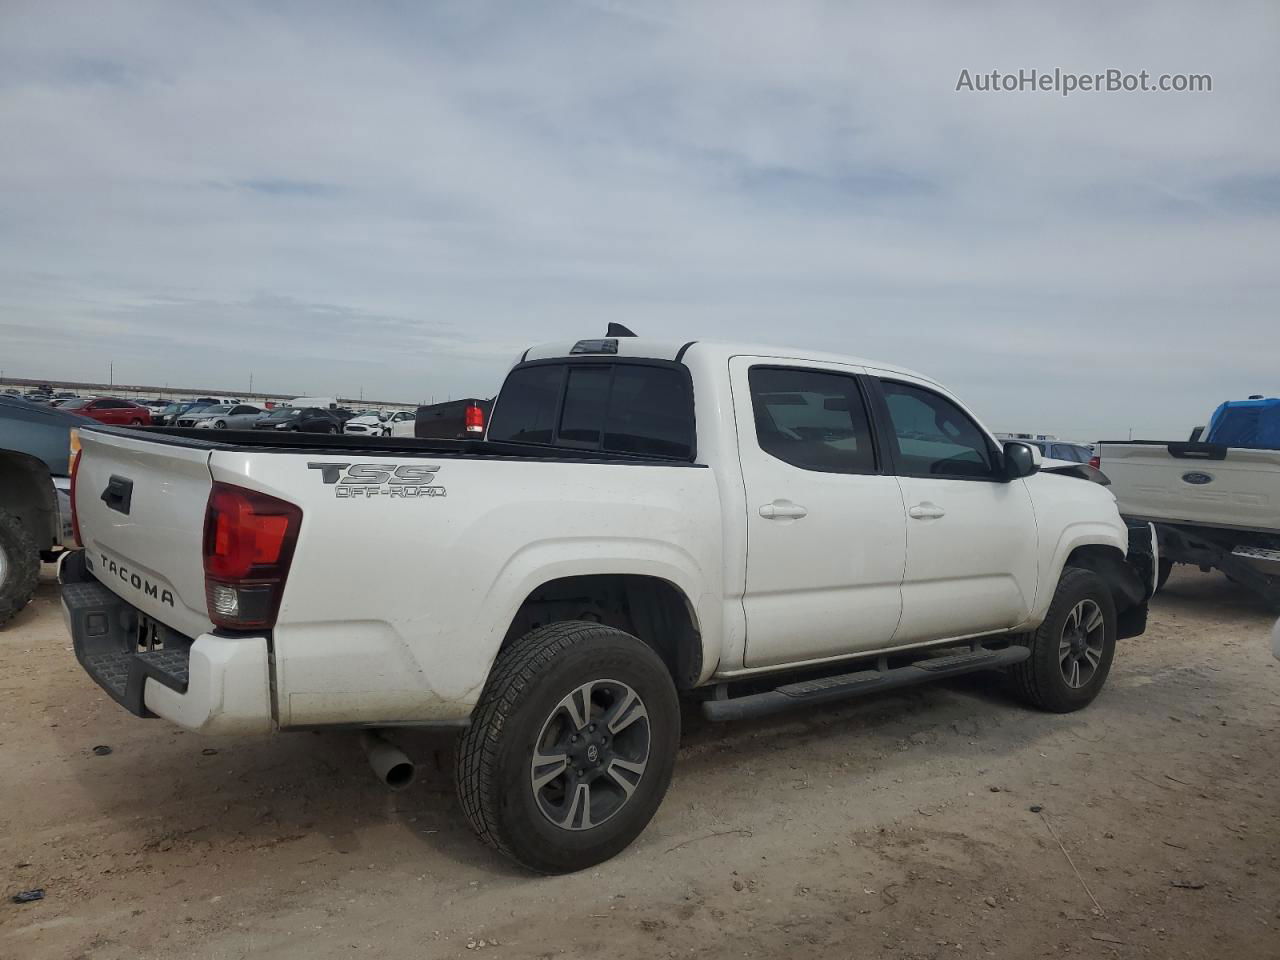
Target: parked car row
{"x": 456, "y": 419}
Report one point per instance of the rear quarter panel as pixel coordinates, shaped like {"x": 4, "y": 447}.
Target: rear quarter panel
{"x": 395, "y": 607}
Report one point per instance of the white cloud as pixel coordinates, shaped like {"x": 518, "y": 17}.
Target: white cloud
{"x": 412, "y": 194}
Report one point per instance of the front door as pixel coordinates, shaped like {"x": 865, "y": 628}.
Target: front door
{"x": 825, "y": 525}
{"x": 971, "y": 536}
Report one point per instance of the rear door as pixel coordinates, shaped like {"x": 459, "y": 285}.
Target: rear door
{"x": 140, "y": 499}
{"x": 971, "y": 537}
{"x": 825, "y": 527}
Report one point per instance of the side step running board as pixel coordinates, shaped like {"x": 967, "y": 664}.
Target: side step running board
{"x": 849, "y": 685}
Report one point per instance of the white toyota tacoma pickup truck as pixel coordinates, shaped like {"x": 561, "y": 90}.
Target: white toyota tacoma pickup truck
{"x": 757, "y": 528}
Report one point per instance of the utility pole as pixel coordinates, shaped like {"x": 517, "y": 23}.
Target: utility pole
{"x": 250, "y": 381}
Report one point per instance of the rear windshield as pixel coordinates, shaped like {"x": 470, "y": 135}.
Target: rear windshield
{"x": 636, "y": 408}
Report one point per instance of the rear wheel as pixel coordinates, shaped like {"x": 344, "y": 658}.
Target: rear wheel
{"x": 19, "y": 566}
{"x": 135, "y": 422}
{"x": 1071, "y": 652}
{"x": 571, "y": 747}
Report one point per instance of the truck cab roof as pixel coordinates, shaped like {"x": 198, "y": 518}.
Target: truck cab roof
{"x": 713, "y": 350}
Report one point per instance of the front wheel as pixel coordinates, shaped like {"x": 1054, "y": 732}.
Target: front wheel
{"x": 571, "y": 747}
{"x": 220, "y": 424}
{"x": 1071, "y": 652}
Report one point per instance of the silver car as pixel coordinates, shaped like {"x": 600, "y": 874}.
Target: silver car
{"x": 224, "y": 416}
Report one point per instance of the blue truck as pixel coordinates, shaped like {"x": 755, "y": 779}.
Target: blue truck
{"x": 35, "y": 486}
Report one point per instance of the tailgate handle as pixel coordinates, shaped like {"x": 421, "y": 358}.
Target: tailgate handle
{"x": 1198, "y": 451}
{"x": 119, "y": 494}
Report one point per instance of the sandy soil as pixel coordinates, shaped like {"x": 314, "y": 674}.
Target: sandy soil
{"x": 898, "y": 827}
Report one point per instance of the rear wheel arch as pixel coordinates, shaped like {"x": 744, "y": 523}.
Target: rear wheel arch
{"x": 654, "y": 610}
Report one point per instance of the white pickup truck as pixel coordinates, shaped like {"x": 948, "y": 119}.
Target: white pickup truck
{"x": 753, "y": 527}
{"x": 1214, "y": 503}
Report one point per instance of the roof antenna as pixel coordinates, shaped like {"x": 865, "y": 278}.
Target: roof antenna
{"x": 618, "y": 330}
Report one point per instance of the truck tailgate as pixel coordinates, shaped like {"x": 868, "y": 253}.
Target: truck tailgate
{"x": 141, "y": 507}
{"x": 1197, "y": 483}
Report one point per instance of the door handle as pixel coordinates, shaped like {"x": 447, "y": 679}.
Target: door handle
{"x": 926, "y": 511}
{"x": 783, "y": 510}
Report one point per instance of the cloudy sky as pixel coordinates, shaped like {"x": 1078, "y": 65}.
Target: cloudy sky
{"x": 400, "y": 197}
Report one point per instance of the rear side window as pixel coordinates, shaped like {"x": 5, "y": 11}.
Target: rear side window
{"x": 644, "y": 409}
{"x": 811, "y": 419}
{"x": 934, "y": 436}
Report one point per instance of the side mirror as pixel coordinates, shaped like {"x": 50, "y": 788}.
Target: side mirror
{"x": 1020, "y": 460}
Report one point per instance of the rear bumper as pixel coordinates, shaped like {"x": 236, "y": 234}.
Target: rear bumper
{"x": 209, "y": 684}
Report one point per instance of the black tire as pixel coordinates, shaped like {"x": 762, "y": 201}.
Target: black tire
{"x": 1041, "y": 679}
{"x": 529, "y": 680}
{"x": 1162, "y": 577}
{"x": 20, "y": 569}
{"x": 220, "y": 424}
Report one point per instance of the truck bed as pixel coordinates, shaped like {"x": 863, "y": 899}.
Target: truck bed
{"x": 1204, "y": 484}
{"x": 408, "y": 552}
{"x": 263, "y": 441}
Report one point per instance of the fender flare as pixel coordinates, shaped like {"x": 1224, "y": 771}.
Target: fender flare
{"x": 543, "y": 561}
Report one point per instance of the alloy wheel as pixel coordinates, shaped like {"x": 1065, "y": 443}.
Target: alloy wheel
{"x": 590, "y": 755}
{"x": 1080, "y": 647}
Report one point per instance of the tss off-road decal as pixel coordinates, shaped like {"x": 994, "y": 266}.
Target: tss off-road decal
{"x": 363, "y": 480}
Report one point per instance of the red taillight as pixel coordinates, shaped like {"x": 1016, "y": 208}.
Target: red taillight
{"x": 475, "y": 419}
{"x": 1096, "y": 462}
{"x": 75, "y": 517}
{"x": 248, "y": 545}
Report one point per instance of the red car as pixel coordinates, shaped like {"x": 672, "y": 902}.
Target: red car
{"x": 110, "y": 410}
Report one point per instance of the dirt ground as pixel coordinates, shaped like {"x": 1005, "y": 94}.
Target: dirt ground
{"x": 899, "y": 827}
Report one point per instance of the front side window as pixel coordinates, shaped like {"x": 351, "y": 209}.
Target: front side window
{"x": 811, "y": 419}
{"x": 934, "y": 437}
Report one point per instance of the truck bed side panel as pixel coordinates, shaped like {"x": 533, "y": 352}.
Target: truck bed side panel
{"x": 396, "y": 605}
